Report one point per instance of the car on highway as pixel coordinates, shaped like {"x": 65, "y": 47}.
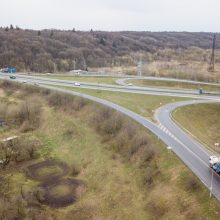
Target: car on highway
{"x": 130, "y": 84}
{"x": 76, "y": 84}
{"x": 24, "y": 81}
{"x": 12, "y": 77}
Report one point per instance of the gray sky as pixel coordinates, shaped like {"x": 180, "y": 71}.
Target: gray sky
{"x": 113, "y": 15}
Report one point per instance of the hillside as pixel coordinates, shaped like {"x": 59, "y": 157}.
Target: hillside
{"x": 56, "y": 50}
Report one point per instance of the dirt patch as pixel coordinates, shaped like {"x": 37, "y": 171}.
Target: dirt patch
{"x": 61, "y": 193}
{"x": 2, "y": 93}
{"x": 47, "y": 171}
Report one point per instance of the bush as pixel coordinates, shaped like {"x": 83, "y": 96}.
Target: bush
{"x": 148, "y": 176}
{"x": 78, "y": 103}
{"x": 124, "y": 135}
{"x": 3, "y": 110}
{"x": 158, "y": 207}
{"x": 66, "y": 101}
{"x": 18, "y": 150}
{"x": 60, "y": 100}
{"x": 8, "y": 85}
{"x": 192, "y": 183}
{"x": 27, "y": 115}
{"x": 148, "y": 153}
{"x": 75, "y": 171}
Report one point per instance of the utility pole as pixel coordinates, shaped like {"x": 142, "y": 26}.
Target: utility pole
{"x": 212, "y": 61}
{"x": 139, "y": 67}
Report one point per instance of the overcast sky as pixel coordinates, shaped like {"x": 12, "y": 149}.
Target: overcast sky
{"x": 113, "y": 15}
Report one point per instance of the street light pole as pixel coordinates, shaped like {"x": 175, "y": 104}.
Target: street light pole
{"x": 210, "y": 195}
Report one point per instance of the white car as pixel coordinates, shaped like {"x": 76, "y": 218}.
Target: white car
{"x": 25, "y": 81}
{"x": 76, "y": 84}
{"x": 130, "y": 84}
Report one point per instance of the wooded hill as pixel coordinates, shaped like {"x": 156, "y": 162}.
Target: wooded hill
{"x": 56, "y": 50}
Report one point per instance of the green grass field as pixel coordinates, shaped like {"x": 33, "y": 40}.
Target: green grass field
{"x": 142, "y": 104}
{"x": 89, "y": 79}
{"x": 204, "y": 122}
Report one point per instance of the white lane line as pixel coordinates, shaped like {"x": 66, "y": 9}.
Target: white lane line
{"x": 187, "y": 148}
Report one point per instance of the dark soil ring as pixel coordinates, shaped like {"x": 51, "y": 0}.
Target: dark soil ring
{"x": 49, "y": 196}
{"x": 34, "y": 170}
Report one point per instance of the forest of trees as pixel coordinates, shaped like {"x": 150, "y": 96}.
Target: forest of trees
{"x": 56, "y": 50}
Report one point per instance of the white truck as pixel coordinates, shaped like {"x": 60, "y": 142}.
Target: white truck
{"x": 214, "y": 160}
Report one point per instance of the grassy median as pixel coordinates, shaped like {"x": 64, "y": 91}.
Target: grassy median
{"x": 88, "y": 79}
{"x": 144, "y": 105}
{"x": 173, "y": 85}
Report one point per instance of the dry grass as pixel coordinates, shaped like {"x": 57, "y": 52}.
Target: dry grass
{"x": 66, "y": 102}
{"x": 204, "y": 122}
{"x": 176, "y": 85}
{"x": 114, "y": 179}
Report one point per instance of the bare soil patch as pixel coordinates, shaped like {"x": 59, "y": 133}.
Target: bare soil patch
{"x": 60, "y": 193}
{"x": 47, "y": 171}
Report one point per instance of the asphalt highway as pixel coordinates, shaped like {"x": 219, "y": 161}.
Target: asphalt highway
{"x": 189, "y": 150}
{"x": 113, "y": 88}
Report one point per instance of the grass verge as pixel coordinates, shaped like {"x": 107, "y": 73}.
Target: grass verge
{"x": 204, "y": 122}
{"x": 142, "y": 104}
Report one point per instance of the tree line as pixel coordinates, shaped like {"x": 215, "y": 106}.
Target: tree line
{"x": 57, "y": 50}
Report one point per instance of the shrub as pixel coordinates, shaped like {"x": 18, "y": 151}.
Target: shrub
{"x": 66, "y": 101}
{"x": 27, "y": 115}
{"x": 192, "y": 183}
{"x": 148, "y": 153}
{"x": 101, "y": 115}
{"x": 69, "y": 132}
{"x": 8, "y": 85}
{"x": 111, "y": 125}
{"x": 158, "y": 207}
{"x": 3, "y": 110}
{"x": 78, "y": 103}
{"x": 18, "y": 150}
{"x": 29, "y": 89}
{"x": 148, "y": 176}
{"x": 75, "y": 171}
{"x": 128, "y": 140}
{"x": 59, "y": 99}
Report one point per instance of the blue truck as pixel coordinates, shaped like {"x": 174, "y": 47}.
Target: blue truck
{"x": 9, "y": 70}
{"x": 216, "y": 168}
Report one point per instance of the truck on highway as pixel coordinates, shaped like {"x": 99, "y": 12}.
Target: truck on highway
{"x": 8, "y": 70}
{"x": 216, "y": 168}
{"x": 214, "y": 163}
